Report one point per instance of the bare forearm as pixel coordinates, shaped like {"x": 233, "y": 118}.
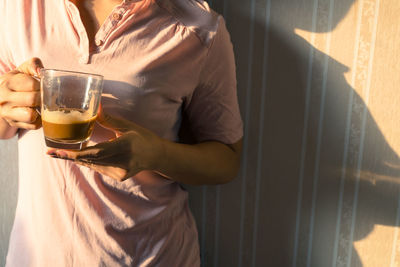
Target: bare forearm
{"x": 137, "y": 149}
{"x": 204, "y": 163}
{"x": 6, "y": 131}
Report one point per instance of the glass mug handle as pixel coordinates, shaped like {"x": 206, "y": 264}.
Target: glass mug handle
{"x": 37, "y": 78}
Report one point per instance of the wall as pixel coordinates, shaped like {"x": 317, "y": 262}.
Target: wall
{"x": 319, "y": 183}
{"x": 8, "y": 192}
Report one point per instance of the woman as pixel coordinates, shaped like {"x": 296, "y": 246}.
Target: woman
{"x": 118, "y": 202}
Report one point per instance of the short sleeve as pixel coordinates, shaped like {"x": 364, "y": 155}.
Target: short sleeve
{"x": 213, "y": 109}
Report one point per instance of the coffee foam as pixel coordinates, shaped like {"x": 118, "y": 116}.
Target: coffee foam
{"x": 62, "y": 117}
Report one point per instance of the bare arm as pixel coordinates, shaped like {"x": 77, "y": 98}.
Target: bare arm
{"x": 205, "y": 163}
{"x": 136, "y": 149}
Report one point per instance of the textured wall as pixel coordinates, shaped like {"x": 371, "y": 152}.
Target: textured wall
{"x": 318, "y": 85}
{"x": 8, "y": 192}
{"x": 319, "y": 184}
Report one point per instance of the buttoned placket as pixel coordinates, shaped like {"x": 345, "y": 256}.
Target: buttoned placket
{"x": 109, "y": 25}
{"x": 101, "y": 37}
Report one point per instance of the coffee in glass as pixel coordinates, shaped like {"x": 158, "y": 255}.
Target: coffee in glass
{"x": 70, "y": 101}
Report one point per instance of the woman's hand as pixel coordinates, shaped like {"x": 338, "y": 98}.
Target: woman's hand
{"x": 134, "y": 149}
{"x": 20, "y": 95}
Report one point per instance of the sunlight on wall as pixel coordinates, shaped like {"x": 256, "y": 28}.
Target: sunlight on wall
{"x": 378, "y": 249}
{"x": 373, "y": 70}
{"x": 366, "y": 42}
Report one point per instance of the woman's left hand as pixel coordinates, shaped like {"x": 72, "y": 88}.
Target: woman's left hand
{"x": 134, "y": 149}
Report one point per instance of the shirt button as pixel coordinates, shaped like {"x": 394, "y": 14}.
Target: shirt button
{"x": 116, "y": 16}
{"x": 99, "y": 42}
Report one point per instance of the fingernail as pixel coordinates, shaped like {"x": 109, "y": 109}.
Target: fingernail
{"x": 38, "y": 70}
{"x": 51, "y": 151}
{"x": 61, "y": 154}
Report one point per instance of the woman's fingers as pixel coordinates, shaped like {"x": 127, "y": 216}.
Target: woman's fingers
{"x": 93, "y": 153}
{"x": 19, "y": 92}
{"x": 22, "y": 82}
{"x": 28, "y": 126}
{"x": 24, "y": 99}
{"x": 103, "y": 153}
{"x": 31, "y": 66}
{"x": 20, "y": 114}
{"x": 106, "y": 165}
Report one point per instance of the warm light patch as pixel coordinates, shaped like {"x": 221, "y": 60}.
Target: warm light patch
{"x": 376, "y": 249}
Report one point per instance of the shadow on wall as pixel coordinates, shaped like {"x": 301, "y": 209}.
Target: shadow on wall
{"x": 336, "y": 146}
{"x": 327, "y": 173}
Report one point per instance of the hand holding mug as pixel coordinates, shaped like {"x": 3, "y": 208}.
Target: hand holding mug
{"x": 20, "y": 95}
{"x": 134, "y": 149}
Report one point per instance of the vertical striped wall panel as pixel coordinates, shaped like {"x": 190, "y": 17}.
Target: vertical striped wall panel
{"x": 8, "y": 192}
{"x": 319, "y": 181}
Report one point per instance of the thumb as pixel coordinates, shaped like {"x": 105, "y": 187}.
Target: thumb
{"x": 115, "y": 124}
{"x": 31, "y": 67}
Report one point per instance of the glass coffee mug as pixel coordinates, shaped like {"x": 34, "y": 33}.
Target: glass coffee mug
{"x": 70, "y": 101}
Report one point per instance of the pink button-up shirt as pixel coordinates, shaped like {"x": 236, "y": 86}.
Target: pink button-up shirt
{"x": 172, "y": 58}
